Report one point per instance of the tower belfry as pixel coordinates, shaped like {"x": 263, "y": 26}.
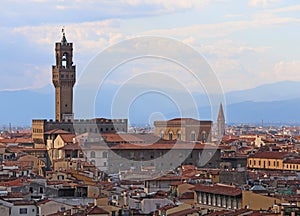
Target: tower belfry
{"x": 221, "y": 123}
{"x": 63, "y": 78}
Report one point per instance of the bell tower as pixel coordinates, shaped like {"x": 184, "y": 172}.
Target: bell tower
{"x": 221, "y": 123}
{"x": 64, "y": 78}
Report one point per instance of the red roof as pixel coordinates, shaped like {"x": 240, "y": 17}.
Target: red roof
{"x": 17, "y": 182}
{"x": 56, "y": 131}
{"x": 164, "y": 145}
{"x": 293, "y": 161}
{"x": 270, "y": 155}
{"x": 183, "y": 212}
{"x": 23, "y": 202}
{"x": 17, "y": 140}
{"x": 97, "y": 210}
{"x": 218, "y": 189}
{"x": 67, "y": 138}
{"x": 121, "y": 138}
{"x": 71, "y": 147}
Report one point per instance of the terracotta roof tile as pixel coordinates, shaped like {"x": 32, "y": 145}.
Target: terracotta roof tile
{"x": 67, "y": 138}
{"x": 74, "y": 146}
{"x": 97, "y": 210}
{"x": 164, "y": 145}
{"x": 183, "y": 212}
{"x": 56, "y": 131}
{"x": 17, "y": 182}
{"x": 270, "y": 155}
{"x": 113, "y": 138}
{"x": 218, "y": 189}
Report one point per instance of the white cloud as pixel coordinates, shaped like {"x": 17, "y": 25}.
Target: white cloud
{"x": 89, "y": 36}
{"x": 263, "y": 3}
{"x": 284, "y": 9}
{"x": 287, "y": 70}
{"x": 217, "y": 30}
{"x": 229, "y": 49}
{"x": 35, "y": 76}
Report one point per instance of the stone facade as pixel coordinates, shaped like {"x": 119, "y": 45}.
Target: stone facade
{"x": 184, "y": 129}
{"x": 163, "y": 156}
{"x": 102, "y": 125}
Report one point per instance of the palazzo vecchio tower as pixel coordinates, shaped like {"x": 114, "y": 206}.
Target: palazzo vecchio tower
{"x": 63, "y": 78}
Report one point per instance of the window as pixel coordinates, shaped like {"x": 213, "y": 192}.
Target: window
{"x": 93, "y": 154}
{"x": 62, "y": 208}
{"x": 64, "y": 60}
{"x": 23, "y": 211}
{"x": 131, "y": 155}
{"x": 170, "y": 135}
{"x": 41, "y": 190}
{"x": 104, "y": 164}
{"x": 162, "y": 134}
{"x": 179, "y": 136}
{"x": 93, "y": 162}
{"x": 203, "y": 136}
{"x": 193, "y": 136}
{"x": 104, "y": 154}
{"x": 61, "y": 177}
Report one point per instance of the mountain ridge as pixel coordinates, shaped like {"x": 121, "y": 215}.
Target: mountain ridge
{"x": 274, "y": 102}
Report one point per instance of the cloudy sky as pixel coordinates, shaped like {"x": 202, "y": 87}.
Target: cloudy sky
{"x": 247, "y": 42}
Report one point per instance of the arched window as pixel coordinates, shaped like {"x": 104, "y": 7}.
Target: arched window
{"x": 170, "y": 135}
{"x": 93, "y": 155}
{"x": 162, "y": 134}
{"x": 179, "y": 136}
{"x": 193, "y": 136}
{"x": 64, "y": 60}
{"x": 203, "y": 136}
{"x": 93, "y": 162}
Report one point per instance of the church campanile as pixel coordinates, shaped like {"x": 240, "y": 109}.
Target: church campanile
{"x": 63, "y": 78}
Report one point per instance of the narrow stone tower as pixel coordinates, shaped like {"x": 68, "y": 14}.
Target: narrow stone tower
{"x": 221, "y": 123}
{"x": 64, "y": 78}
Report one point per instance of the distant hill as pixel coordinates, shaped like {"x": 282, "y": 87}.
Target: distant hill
{"x": 276, "y": 102}
{"x": 284, "y": 90}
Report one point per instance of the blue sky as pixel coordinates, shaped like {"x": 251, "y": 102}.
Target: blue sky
{"x": 246, "y": 42}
